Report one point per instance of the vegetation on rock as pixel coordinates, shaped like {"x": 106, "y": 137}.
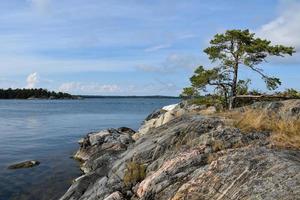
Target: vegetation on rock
{"x": 285, "y": 132}
{"x": 134, "y": 173}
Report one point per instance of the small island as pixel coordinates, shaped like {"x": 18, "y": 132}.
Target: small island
{"x": 33, "y": 94}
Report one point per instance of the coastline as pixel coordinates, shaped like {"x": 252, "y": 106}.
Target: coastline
{"x": 182, "y": 148}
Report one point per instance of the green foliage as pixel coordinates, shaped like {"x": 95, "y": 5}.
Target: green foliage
{"x": 204, "y": 77}
{"x": 209, "y": 100}
{"x": 272, "y": 82}
{"x": 243, "y": 87}
{"x": 134, "y": 173}
{"x": 290, "y": 92}
{"x": 32, "y": 93}
{"x": 255, "y": 92}
{"x": 237, "y": 44}
{"x": 189, "y": 92}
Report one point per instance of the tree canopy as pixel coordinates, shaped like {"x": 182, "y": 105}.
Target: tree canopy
{"x": 231, "y": 50}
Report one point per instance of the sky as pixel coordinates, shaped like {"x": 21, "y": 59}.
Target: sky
{"x": 134, "y": 47}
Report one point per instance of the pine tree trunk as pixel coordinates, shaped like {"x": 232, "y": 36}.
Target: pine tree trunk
{"x": 233, "y": 89}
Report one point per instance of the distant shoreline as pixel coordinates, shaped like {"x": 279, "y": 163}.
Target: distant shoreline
{"x": 82, "y": 97}
{"x": 131, "y": 96}
{"x": 44, "y": 94}
{"x": 44, "y": 98}
{"x": 33, "y": 93}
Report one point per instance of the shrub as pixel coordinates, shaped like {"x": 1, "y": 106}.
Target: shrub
{"x": 189, "y": 92}
{"x": 210, "y": 100}
{"x": 211, "y": 157}
{"x": 292, "y": 93}
{"x": 217, "y": 145}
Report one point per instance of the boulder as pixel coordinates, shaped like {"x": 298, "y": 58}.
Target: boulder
{"x": 246, "y": 173}
{"x": 115, "y": 196}
{"x": 289, "y": 109}
{"x": 101, "y": 145}
{"x": 25, "y": 164}
{"x": 170, "y": 107}
{"x": 170, "y": 112}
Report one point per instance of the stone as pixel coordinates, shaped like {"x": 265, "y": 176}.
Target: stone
{"x": 168, "y": 113}
{"x": 155, "y": 114}
{"x": 126, "y": 130}
{"x": 289, "y": 109}
{"x": 246, "y": 173}
{"x": 170, "y": 107}
{"x": 115, "y": 196}
{"x": 25, "y": 164}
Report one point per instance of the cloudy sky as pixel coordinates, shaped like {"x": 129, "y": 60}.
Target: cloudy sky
{"x": 133, "y": 47}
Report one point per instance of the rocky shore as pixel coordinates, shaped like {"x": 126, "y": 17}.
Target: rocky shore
{"x": 187, "y": 152}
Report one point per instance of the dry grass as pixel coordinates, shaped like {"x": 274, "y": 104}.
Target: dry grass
{"x": 285, "y": 133}
{"x": 211, "y": 157}
{"x": 134, "y": 173}
{"x": 218, "y": 145}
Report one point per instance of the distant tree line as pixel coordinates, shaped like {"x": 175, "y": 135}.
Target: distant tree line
{"x": 33, "y": 93}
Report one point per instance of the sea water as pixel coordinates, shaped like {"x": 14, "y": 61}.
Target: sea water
{"x": 48, "y": 131}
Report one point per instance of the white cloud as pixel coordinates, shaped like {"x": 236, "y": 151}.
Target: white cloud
{"x": 187, "y": 36}
{"x": 157, "y": 47}
{"x": 88, "y": 88}
{"x": 285, "y": 28}
{"x": 32, "y": 80}
{"x": 19, "y": 65}
{"x": 170, "y": 40}
{"x": 41, "y": 6}
{"x": 156, "y": 87}
{"x": 173, "y": 63}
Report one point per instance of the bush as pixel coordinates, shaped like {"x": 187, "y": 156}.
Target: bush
{"x": 210, "y": 100}
{"x": 292, "y": 93}
{"x": 189, "y": 92}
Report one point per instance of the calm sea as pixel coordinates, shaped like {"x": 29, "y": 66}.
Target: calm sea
{"x": 48, "y": 130}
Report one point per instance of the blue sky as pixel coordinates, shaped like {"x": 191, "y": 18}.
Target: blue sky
{"x": 133, "y": 47}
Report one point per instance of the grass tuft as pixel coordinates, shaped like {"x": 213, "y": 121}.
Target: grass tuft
{"x": 134, "y": 173}
{"x": 217, "y": 145}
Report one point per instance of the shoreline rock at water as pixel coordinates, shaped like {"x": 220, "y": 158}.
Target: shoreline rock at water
{"x": 25, "y": 164}
{"x": 181, "y": 153}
